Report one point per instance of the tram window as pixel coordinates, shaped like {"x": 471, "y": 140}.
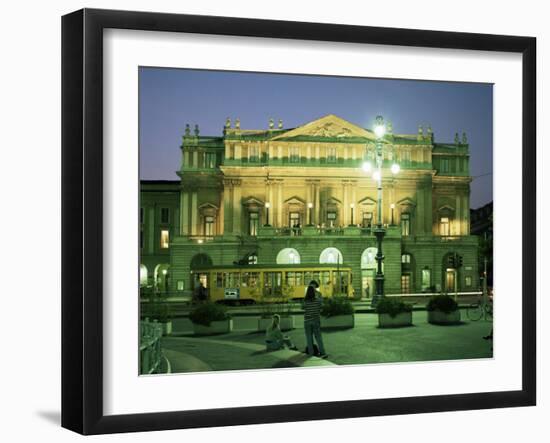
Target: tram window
{"x": 325, "y": 277}
{"x": 308, "y": 276}
{"x": 250, "y": 279}
{"x": 294, "y": 278}
{"x": 316, "y": 277}
{"x": 231, "y": 280}
{"x": 219, "y": 280}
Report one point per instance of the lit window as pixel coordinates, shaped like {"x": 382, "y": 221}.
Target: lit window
{"x": 405, "y": 157}
{"x": 294, "y": 219}
{"x": 294, "y": 154}
{"x": 254, "y": 223}
{"x": 405, "y": 225}
{"x": 165, "y": 215}
{"x": 331, "y": 155}
{"x": 164, "y": 239}
{"x": 468, "y": 281}
{"x": 331, "y": 219}
{"x": 208, "y": 226}
{"x": 179, "y": 285}
{"x": 406, "y": 258}
{"x": 444, "y": 165}
{"x": 444, "y": 226}
{"x": 367, "y": 219}
{"x": 253, "y": 259}
{"x": 406, "y": 284}
{"x": 253, "y": 154}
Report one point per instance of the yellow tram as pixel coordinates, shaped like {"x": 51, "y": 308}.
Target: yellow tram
{"x": 251, "y": 284}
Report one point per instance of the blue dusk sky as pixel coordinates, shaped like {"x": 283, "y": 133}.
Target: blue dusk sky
{"x": 170, "y": 98}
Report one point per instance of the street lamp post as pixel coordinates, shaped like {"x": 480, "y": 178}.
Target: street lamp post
{"x": 379, "y": 231}
{"x": 352, "y": 206}
{"x": 392, "y": 206}
{"x": 310, "y": 213}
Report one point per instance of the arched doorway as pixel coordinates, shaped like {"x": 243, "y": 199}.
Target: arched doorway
{"x": 161, "y": 277}
{"x": 288, "y": 256}
{"x": 449, "y": 273}
{"x": 142, "y": 276}
{"x": 199, "y": 261}
{"x": 368, "y": 271}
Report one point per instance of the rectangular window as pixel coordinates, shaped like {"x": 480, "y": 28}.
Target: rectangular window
{"x": 254, "y": 223}
{"x": 406, "y": 284}
{"x": 179, "y": 285}
{"x": 219, "y": 279}
{"x": 231, "y": 280}
{"x": 165, "y": 215}
{"x": 294, "y": 219}
{"x": 294, "y": 154}
{"x": 426, "y": 279}
{"x": 444, "y": 226}
{"x": 405, "y": 225}
{"x": 331, "y": 219}
{"x": 444, "y": 165}
{"x": 273, "y": 283}
{"x": 141, "y": 239}
{"x": 367, "y": 219}
{"x": 208, "y": 226}
{"x": 406, "y": 258}
{"x": 406, "y": 157}
{"x": 331, "y": 155}
{"x": 250, "y": 279}
{"x": 468, "y": 281}
{"x": 210, "y": 160}
{"x": 164, "y": 239}
{"x": 253, "y": 154}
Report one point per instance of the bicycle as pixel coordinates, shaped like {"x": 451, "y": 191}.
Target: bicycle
{"x": 481, "y": 308}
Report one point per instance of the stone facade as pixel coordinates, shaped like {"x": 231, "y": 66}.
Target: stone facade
{"x": 260, "y": 192}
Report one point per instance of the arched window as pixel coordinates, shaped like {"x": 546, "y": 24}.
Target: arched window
{"x": 368, "y": 258}
{"x": 142, "y": 275}
{"x": 288, "y": 256}
{"x": 331, "y": 255}
{"x": 406, "y": 259}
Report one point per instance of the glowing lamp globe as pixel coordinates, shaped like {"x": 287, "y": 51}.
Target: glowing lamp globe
{"x": 379, "y": 130}
{"x": 376, "y": 176}
{"x": 395, "y": 168}
{"x": 367, "y": 167}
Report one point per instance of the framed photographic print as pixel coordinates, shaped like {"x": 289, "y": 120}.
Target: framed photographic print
{"x": 270, "y": 221}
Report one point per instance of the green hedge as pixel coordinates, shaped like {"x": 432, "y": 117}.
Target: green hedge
{"x": 444, "y": 303}
{"x": 336, "y": 306}
{"x": 392, "y": 306}
{"x": 206, "y": 313}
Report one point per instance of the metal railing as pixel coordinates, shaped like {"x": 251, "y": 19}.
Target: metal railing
{"x": 150, "y": 352}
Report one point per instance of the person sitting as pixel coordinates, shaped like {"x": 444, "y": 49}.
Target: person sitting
{"x": 274, "y": 338}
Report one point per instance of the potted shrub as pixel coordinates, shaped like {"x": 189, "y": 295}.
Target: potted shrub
{"x": 159, "y": 312}
{"x": 337, "y": 312}
{"x": 210, "y": 318}
{"x": 443, "y": 310}
{"x": 392, "y": 312}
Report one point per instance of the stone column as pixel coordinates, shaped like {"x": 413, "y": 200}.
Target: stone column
{"x": 184, "y": 213}
{"x": 194, "y": 213}
{"x": 279, "y": 210}
{"x": 227, "y": 207}
{"x": 466, "y": 208}
{"x": 458, "y": 217}
{"x": 345, "y": 219}
{"x": 316, "y": 203}
{"x": 237, "y": 207}
{"x": 150, "y": 246}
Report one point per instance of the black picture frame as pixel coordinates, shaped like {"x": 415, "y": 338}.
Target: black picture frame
{"x": 82, "y": 215}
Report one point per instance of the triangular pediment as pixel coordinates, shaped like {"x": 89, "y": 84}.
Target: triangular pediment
{"x": 330, "y": 127}
{"x": 406, "y": 202}
{"x": 253, "y": 201}
{"x": 367, "y": 201}
{"x": 295, "y": 201}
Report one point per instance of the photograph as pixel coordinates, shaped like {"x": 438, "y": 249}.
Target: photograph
{"x": 294, "y": 220}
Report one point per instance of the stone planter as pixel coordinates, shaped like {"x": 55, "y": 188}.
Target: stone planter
{"x": 286, "y": 324}
{"x": 216, "y": 327}
{"x": 401, "y": 319}
{"x": 338, "y": 322}
{"x": 441, "y": 318}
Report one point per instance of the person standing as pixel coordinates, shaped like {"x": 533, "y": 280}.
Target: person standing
{"x": 312, "y": 319}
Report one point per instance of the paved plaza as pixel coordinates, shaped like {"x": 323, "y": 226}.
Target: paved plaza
{"x": 244, "y": 347}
